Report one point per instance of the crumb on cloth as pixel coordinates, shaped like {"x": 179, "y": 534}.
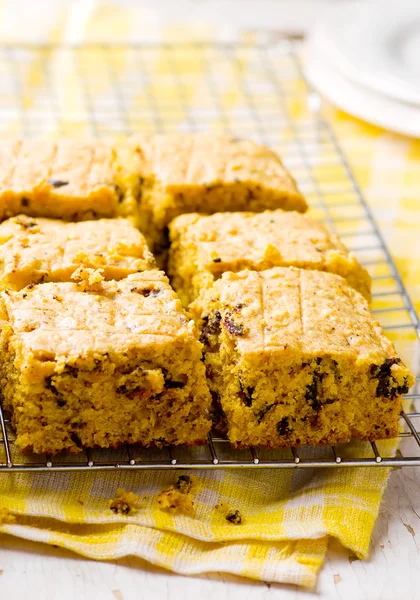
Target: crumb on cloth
{"x": 6, "y": 516}
{"x": 178, "y": 498}
{"x": 124, "y": 503}
{"x": 233, "y": 516}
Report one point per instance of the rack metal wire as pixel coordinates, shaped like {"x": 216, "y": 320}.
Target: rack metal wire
{"x": 255, "y": 90}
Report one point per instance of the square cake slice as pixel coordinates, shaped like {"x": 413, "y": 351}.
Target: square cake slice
{"x": 121, "y": 364}
{"x": 203, "y": 247}
{"x": 295, "y": 357}
{"x": 209, "y": 172}
{"x": 34, "y": 250}
{"x": 64, "y": 179}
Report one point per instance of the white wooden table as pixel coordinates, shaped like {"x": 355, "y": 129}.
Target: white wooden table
{"x": 33, "y": 571}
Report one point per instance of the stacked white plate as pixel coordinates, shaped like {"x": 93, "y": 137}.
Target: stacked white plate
{"x": 366, "y": 59}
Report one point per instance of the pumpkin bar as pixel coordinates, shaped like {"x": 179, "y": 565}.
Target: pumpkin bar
{"x": 209, "y": 172}
{"x": 204, "y": 247}
{"x": 65, "y": 179}
{"x": 119, "y": 364}
{"x": 295, "y": 357}
{"x": 34, "y": 250}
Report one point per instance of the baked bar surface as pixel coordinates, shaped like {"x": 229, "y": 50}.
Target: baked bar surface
{"x": 295, "y": 357}
{"x": 98, "y": 369}
{"x": 209, "y": 172}
{"x": 203, "y": 247}
{"x": 34, "y": 250}
{"x": 64, "y": 179}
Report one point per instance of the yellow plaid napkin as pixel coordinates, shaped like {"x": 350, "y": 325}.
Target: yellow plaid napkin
{"x": 288, "y": 516}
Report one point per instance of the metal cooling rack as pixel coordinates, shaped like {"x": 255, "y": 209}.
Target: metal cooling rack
{"x": 255, "y": 91}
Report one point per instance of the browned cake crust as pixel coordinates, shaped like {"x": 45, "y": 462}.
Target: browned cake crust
{"x": 295, "y": 357}
{"x": 209, "y": 172}
{"x": 203, "y": 247}
{"x": 100, "y": 364}
{"x": 63, "y": 179}
{"x": 37, "y": 250}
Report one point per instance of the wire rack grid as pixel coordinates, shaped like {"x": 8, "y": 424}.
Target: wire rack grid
{"x": 253, "y": 90}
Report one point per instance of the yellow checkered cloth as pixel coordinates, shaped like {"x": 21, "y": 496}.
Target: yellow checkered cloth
{"x": 288, "y": 515}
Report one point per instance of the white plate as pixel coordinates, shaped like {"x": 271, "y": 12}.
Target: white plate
{"x": 376, "y": 45}
{"x": 358, "y": 100}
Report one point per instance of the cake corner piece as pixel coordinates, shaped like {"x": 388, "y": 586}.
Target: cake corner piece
{"x": 294, "y": 357}
{"x": 98, "y": 369}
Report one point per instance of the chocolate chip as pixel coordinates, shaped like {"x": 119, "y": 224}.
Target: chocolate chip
{"x": 76, "y": 440}
{"x": 234, "y": 516}
{"x": 48, "y": 384}
{"x": 160, "y": 441}
{"x": 178, "y": 383}
{"x": 264, "y": 411}
{"x": 239, "y": 306}
{"x": 175, "y": 384}
{"x": 245, "y": 394}
{"x": 283, "y": 427}
{"x": 25, "y": 201}
{"x": 232, "y": 327}
{"x": 217, "y": 260}
{"x": 71, "y": 371}
{"x": 311, "y": 393}
{"x": 119, "y": 192}
{"x": 386, "y": 387}
{"x": 312, "y": 390}
{"x": 27, "y": 223}
{"x": 57, "y": 183}
{"x": 61, "y": 402}
{"x": 211, "y": 327}
{"x": 403, "y": 389}
{"x": 146, "y": 292}
{"x": 122, "y": 389}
